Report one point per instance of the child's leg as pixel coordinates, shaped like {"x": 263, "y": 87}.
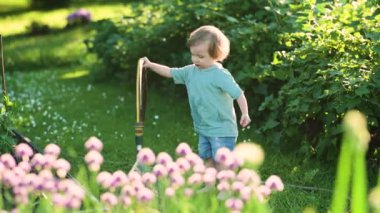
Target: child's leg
{"x": 204, "y": 150}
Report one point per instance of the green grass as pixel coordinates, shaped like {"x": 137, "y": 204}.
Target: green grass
{"x": 13, "y": 6}
{"x": 59, "y": 109}
{"x": 59, "y": 102}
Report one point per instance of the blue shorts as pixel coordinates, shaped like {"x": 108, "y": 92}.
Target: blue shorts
{"x": 207, "y": 146}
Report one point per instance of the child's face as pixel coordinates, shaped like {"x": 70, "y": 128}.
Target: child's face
{"x": 200, "y": 56}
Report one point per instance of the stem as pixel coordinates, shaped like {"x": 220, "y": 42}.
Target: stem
{"x": 359, "y": 185}
{"x": 343, "y": 175}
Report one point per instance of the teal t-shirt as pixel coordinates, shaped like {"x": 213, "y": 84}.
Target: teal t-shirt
{"x": 211, "y": 93}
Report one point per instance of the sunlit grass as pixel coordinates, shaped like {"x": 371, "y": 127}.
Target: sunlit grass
{"x": 52, "y": 50}
{"x": 12, "y": 5}
{"x": 75, "y": 74}
{"x": 18, "y": 23}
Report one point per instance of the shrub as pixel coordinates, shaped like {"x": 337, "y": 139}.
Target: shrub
{"x": 49, "y": 4}
{"x": 37, "y": 28}
{"x": 329, "y": 66}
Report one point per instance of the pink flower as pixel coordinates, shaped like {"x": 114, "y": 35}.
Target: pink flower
{"x": 177, "y": 179}
{"x": 38, "y": 161}
{"x": 145, "y": 195}
{"x": 199, "y": 168}
{"x": 73, "y": 203}
{"x": 195, "y": 179}
{"x": 183, "y": 149}
{"x": 169, "y": 192}
{"x": 52, "y": 149}
{"x": 209, "y": 176}
{"x": 237, "y": 186}
{"x": 249, "y": 176}
{"x": 10, "y": 179}
{"x": 264, "y": 191}
{"x": 234, "y": 204}
{"x": 93, "y": 159}
{"x": 62, "y": 167}
{"x": 148, "y": 178}
{"x": 128, "y": 191}
{"x": 159, "y": 170}
{"x": 226, "y": 175}
{"x": 109, "y": 199}
{"x": 23, "y": 151}
{"x": 49, "y": 161}
{"x": 188, "y": 192}
{"x": 163, "y": 158}
{"x": 234, "y": 162}
{"x": 127, "y": 201}
{"x": 172, "y": 168}
{"x": 93, "y": 144}
{"x": 7, "y": 160}
{"x": 138, "y": 186}
{"x": 274, "y": 182}
{"x": 134, "y": 176}
{"x": 104, "y": 179}
{"x": 193, "y": 159}
{"x": 245, "y": 193}
{"x": 118, "y": 178}
{"x": 2, "y": 167}
{"x": 183, "y": 164}
{"x": 19, "y": 172}
{"x": 146, "y": 156}
{"x": 59, "y": 199}
{"x": 76, "y": 191}
{"x": 223, "y": 186}
{"x": 222, "y": 155}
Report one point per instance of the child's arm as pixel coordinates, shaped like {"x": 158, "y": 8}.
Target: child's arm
{"x": 157, "y": 68}
{"x": 242, "y": 102}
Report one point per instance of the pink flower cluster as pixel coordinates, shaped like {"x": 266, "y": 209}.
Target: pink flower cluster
{"x": 182, "y": 177}
{"x": 39, "y": 173}
{"x": 185, "y": 176}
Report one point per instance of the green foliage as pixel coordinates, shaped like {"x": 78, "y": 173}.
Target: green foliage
{"x": 160, "y": 32}
{"x": 329, "y": 65}
{"x": 6, "y": 124}
{"x": 36, "y": 28}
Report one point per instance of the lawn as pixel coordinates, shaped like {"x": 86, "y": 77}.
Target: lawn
{"x": 58, "y": 100}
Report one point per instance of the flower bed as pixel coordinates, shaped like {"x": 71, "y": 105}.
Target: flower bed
{"x": 181, "y": 184}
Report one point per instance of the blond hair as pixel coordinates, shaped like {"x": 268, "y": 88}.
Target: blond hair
{"x": 219, "y": 44}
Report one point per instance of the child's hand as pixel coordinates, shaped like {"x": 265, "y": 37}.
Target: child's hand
{"x": 146, "y": 63}
{"x": 245, "y": 120}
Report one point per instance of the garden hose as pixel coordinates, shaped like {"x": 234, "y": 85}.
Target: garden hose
{"x": 2, "y": 68}
{"x": 141, "y": 99}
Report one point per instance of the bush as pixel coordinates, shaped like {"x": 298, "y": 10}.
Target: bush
{"x": 49, "y": 4}
{"x": 37, "y": 28}
{"x": 329, "y": 66}
{"x": 162, "y": 34}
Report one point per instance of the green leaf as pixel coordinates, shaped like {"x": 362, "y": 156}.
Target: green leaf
{"x": 363, "y": 90}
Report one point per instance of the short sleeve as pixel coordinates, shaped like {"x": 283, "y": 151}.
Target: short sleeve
{"x": 228, "y": 84}
{"x": 180, "y": 75}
